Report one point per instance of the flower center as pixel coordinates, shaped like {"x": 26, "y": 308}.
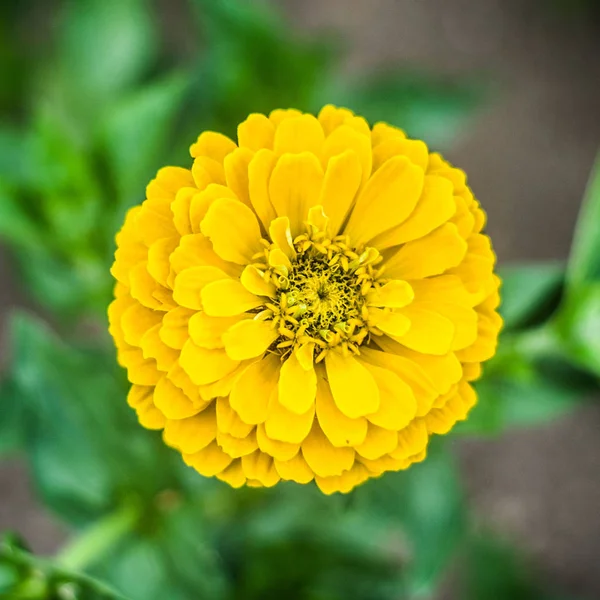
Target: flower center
{"x": 320, "y": 293}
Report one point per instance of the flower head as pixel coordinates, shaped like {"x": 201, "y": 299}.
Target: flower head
{"x": 309, "y": 303}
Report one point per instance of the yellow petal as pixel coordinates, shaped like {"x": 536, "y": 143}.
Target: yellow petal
{"x": 236, "y": 173}
{"x": 411, "y": 440}
{"x": 172, "y": 402}
{"x": 382, "y": 132}
{"x": 259, "y": 173}
{"x": 205, "y": 171}
{"x": 209, "y": 461}
{"x": 174, "y": 327}
{"x": 181, "y": 210}
{"x": 158, "y": 259}
{"x": 299, "y": 134}
{"x": 339, "y": 429}
{"x": 445, "y": 288}
{"x": 279, "y": 115}
{"x": 345, "y": 482}
{"x": 190, "y": 283}
{"x": 415, "y": 150}
{"x": 194, "y": 433}
{"x": 429, "y": 332}
{"x": 213, "y": 144}
{"x": 281, "y": 235}
{"x": 196, "y": 251}
{"x": 249, "y": 338}
{"x": 143, "y": 286}
{"x": 254, "y": 281}
{"x": 208, "y": 331}
{"x": 181, "y": 379}
{"x": 227, "y": 298}
{"x": 379, "y": 441}
{"x": 251, "y": 393}
{"x": 435, "y": 206}
{"x": 279, "y": 450}
{"x": 154, "y": 221}
{"x": 398, "y": 405}
{"x": 233, "y": 474}
{"x": 387, "y": 199}
{"x": 136, "y": 320}
{"x": 140, "y": 371}
{"x": 353, "y": 387}
{"x": 167, "y": 182}
{"x": 259, "y": 466}
{"x": 203, "y": 365}
{"x": 222, "y": 387}
{"x": 295, "y": 469}
{"x": 297, "y": 385}
{"x": 423, "y": 389}
{"x": 394, "y": 294}
{"x": 233, "y": 230}
{"x": 237, "y": 447}
{"x": 201, "y": 202}
{"x": 286, "y": 426}
{"x": 295, "y": 186}
{"x": 331, "y": 117}
{"x": 256, "y": 132}
{"x": 229, "y": 421}
{"x": 342, "y": 180}
{"x": 346, "y": 138}
{"x": 390, "y": 322}
{"x": 153, "y": 347}
{"x": 140, "y": 398}
{"x": 322, "y": 457}
{"x": 433, "y": 254}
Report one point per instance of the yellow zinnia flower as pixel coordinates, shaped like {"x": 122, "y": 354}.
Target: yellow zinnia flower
{"x": 309, "y": 303}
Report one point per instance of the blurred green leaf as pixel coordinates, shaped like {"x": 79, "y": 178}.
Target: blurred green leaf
{"x": 426, "y": 107}
{"x": 584, "y": 260}
{"x": 170, "y": 557}
{"x": 427, "y": 501}
{"x": 530, "y": 292}
{"x": 26, "y": 577}
{"x": 137, "y": 132}
{"x": 495, "y": 571}
{"x": 77, "y": 426}
{"x": 105, "y": 47}
{"x": 11, "y": 418}
{"x": 529, "y": 382}
{"x": 253, "y": 63}
{"x": 579, "y": 326}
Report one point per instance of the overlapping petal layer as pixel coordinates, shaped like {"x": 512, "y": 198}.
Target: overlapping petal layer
{"x": 311, "y": 303}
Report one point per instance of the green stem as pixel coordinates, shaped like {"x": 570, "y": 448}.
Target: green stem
{"x": 95, "y": 541}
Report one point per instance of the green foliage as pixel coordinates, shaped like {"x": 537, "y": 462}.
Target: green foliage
{"x": 584, "y": 262}
{"x": 25, "y": 577}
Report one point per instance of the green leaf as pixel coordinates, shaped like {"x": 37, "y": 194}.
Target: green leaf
{"x": 579, "y": 326}
{"x": 26, "y": 577}
{"x": 77, "y": 424}
{"x": 495, "y": 571}
{"x": 106, "y": 46}
{"x": 254, "y": 63}
{"x": 530, "y": 293}
{"x": 528, "y": 383}
{"x": 427, "y": 500}
{"x": 137, "y": 132}
{"x": 426, "y": 107}
{"x": 170, "y": 557}
{"x": 584, "y": 261}
{"x": 12, "y": 416}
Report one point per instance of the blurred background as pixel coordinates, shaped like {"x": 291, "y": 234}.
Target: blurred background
{"x": 96, "y": 95}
